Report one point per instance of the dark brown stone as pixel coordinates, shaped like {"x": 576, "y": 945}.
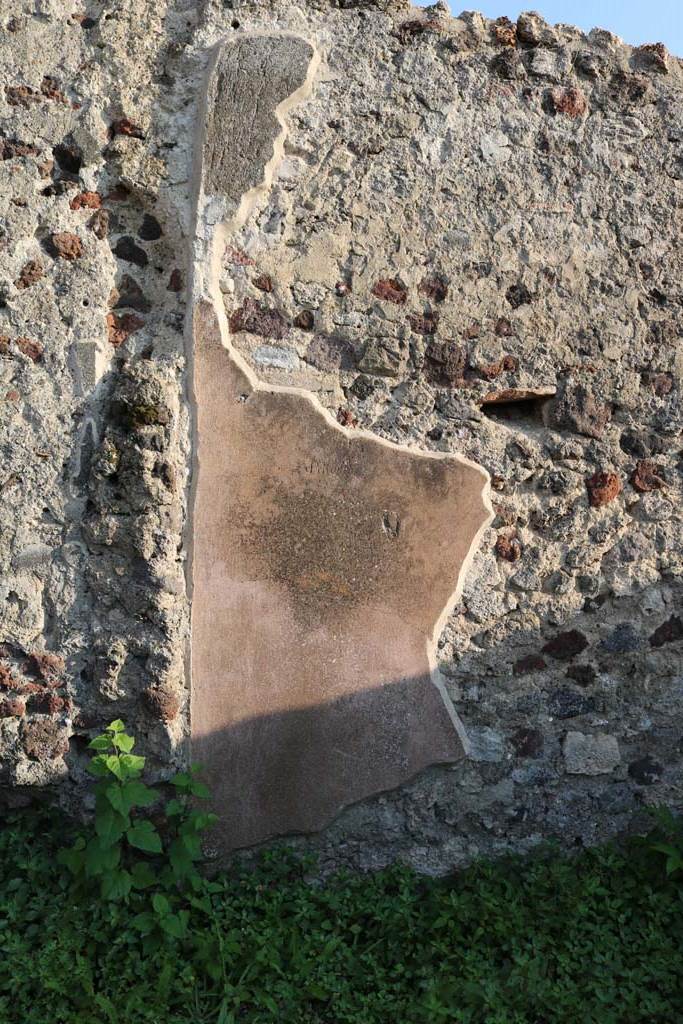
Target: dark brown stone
{"x": 21, "y": 96}
{"x": 445, "y": 364}
{"x": 11, "y": 148}
{"x": 304, "y": 320}
{"x": 33, "y": 350}
{"x": 255, "y": 318}
{"x": 12, "y": 707}
{"x": 163, "y": 702}
{"x": 30, "y": 273}
{"x": 646, "y": 771}
{"x": 518, "y": 295}
{"x": 49, "y": 87}
{"x": 46, "y": 666}
{"x": 508, "y": 548}
{"x": 129, "y": 295}
{"x": 603, "y": 488}
{"x": 175, "y": 281}
{"x": 150, "y": 229}
{"x": 126, "y": 249}
{"x": 124, "y": 126}
{"x": 668, "y": 633}
{"x": 528, "y": 664}
{"x": 44, "y": 740}
{"x": 390, "y": 290}
{"x": 584, "y": 675}
{"x": 426, "y": 324}
{"x": 566, "y": 646}
{"x": 528, "y": 743}
{"x": 434, "y": 287}
{"x": 264, "y": 283}
{"x": 648, "y": 476}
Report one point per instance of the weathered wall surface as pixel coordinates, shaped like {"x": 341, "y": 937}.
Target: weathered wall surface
{"x": 470, "y": 246}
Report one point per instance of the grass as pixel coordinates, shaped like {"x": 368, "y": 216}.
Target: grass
{"x": 595, "y": 938}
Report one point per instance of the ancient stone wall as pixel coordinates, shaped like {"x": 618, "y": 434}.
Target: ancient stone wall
{"x": 469, "y": 246}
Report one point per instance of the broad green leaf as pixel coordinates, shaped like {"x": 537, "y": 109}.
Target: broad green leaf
{"x": 132, "y": 765}
{"x": 116, "y": 726}
{"x": 142, "y": 875}
{"x": 129, "y": 794}
{"x": 113, "y": 763}
{"x": 100, "y": 743}
{"x": 116, "y": 885}
{"x": 123, "y": 742}
{"x": 173, "y": 926}
{"x": 99, "y": 858}
{"x": 200, "y": 790}
{"x": 143, "y": 923}
{"x": 181, "y": 781}
{"x": 174, "y": 808}
{"x": 143, "y": 836}
{"x": 160, "y": 904}
{"x": 110, "y": 825}
{"x": 98, "y": 766}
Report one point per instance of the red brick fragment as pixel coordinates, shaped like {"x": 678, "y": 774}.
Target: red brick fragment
{"x": 12, "y": 707}
{"x": 346, "y": 418}
{"x": 44, "y": 739}
{"x": 11, "y": 148}
{"x": 648, "y": 476}
{"x": 263, "y": 282}
{"x": 662, "y": 384}
{"x": 120, "y": 328}
{"x": 570, "y": 101}
{"x": 87, "y": 201}
{"x": 603, "y": 488}
{"x": 238, "y": 257}
{"x": 426, "y": 324}
{"x": 48, "y": 703}
{"x": 7, "y": 679}
{"x": 66, "y": 246}
{"x": 509, "y": 548}
{"x": 529, "y": 663}
{"x": 504, "y": 32}
{"x": 124, "y": 126}
{"x": 32, "y": 349}
{"x": 434, "y": 287}
{"x": 390, "y": 290}
{"x": 653, "y": 57}
{"x": 49, "y": 87}
{"x": 30, "y": 273}
{"x": 175, "y": 281}
{"x": 21, "y": 96}
{"x": 163, "y": 702}
{"x": 47, "y": 666}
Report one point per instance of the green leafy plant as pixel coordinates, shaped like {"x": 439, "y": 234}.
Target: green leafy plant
{"x": 667, "y": 840}
{"x": 127, "y": 853}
